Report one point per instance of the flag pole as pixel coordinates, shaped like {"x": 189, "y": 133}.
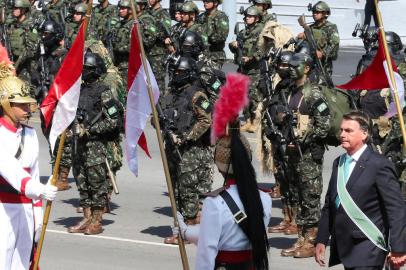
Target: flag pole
{"x": 56, "y": 167}
{"x": 391, "y": 73}
{"x": 182, "y": 248}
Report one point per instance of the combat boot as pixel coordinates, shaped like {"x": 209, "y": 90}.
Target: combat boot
{"x": 62, "y": 182}
{"x": 292, "y": 228}
{"x": 281, "y": 227}
{"x": 82, "y": 225}
{"x": 299, "y": 243}
{"x": 308, "y": 249}
{"x": 95, "y": 226}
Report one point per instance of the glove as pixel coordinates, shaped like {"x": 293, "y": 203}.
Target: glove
{"x": 38, "y": 217}
{"x": 49, "y": 192}
{"x": 82, "y": 131}
{"x": 34, "y": 189}
{"x": 176, "y": 139}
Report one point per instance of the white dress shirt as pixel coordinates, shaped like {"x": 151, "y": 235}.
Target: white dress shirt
{"x": 355, "y": 157}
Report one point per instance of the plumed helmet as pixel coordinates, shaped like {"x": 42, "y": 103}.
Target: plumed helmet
{"x": 253, "y": 11}
{"x": 15, "y": 90}
{"x": 322, "y": 7}
{"x": 81, "y": 8}
{"x": 222, "y": 153}
{"x": 22, "y": 4}
{"x": 190, "y": 7}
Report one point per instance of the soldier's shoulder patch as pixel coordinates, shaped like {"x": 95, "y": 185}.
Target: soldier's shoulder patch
{"x": 321, "y": 106}
{"x": 224, "y": 22}
{"x": 152, "y": 29}
{"x": 203, "y": 103}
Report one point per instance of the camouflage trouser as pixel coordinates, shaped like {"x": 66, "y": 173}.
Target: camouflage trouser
{"x": 191, "y": 177}
{"x": 91, "y": 182}
{"x": 123, "y": 69}
{"x": 255, "y": 97}
{"x": 159, "y": 69}
{"x": 305, "y": 186}
{"x": 281, "y": 178}
{"x": 217, "y": 58}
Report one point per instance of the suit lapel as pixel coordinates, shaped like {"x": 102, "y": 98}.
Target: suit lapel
{"x": 358, "y": 169}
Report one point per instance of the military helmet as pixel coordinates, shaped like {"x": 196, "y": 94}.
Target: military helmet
{"x": 178, "y": 7}
{"x": 190, "y": 7}
{"x": 322, "y": 7}
{"x": 218, "y": 1}
{"x": 22, "y": 4}
{"x": 191, "y": 44}
{"x": 124, "y": 4}
{"x": 393, "y": 41}
{"x": 285, "y": 57}
{"x": 185, "y": 72}
{"x": 51, "y": 32}
{"x": 297, "y": 65}
{"x": 81, "y": 8}
{"x": 253, "y": 11}
{"x": 93, "y": 67}
{"x": 269, "y": 2}
{"x": 145, "y": 2}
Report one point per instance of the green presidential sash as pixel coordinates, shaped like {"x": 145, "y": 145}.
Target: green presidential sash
{"x": 356, "y": 214}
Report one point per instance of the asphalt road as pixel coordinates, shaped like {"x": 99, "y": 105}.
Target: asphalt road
{"x": 141, "y": 217}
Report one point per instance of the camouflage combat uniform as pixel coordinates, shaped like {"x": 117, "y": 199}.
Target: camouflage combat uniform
{"x": 89, "y": 168}
{"x": 23, "y": 41}
{"x": 328, "y": 41}
{"x": 158, "y": 53}
{"x": 305, "y": 173}
{"x": 57, "y": 10}
{"x": 216, "y": 26}
{"x": 102, "y": 20}
{"x": 249, "y": 39}
{"x": 190, "y": 111}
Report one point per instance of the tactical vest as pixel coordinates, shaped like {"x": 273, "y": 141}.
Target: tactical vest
{"x": 178, "y": 109}
{"x": 90, "y": 105}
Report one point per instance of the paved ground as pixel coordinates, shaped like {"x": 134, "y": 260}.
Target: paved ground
{"x": 141, "y": 214}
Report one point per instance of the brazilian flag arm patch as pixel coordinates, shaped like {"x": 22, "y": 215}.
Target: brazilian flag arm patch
{"x": 203, "y": 104}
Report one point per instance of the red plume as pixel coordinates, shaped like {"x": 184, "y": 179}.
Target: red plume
{"x": 233, "y": 97}
{"x": 4, "y": 55}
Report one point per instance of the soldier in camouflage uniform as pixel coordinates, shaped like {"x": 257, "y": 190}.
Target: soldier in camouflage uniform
{"x": 189, "y": 109}
{"x": 326, "y": 36}
{"x": 96, "y": 121}
{"x": 158, "y": 53}
{"x": 264, "y": 5}
{"x": 72, "y": 28}
{"x": 57, "y": 10}
{"x": 248, "y": 62}
{"x": 216, "y": 24}
{"x": 103, "y": 15}
{"x": 309, "y": 116}
{"x": 176, "y": 29}
{"x": 23, "y": 39}
{"x": 189, "y": 20}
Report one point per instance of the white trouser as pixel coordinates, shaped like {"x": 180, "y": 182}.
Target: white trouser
{"x": 16, "y": 235}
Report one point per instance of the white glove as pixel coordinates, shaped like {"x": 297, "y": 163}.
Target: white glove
{"x": 37, "y": 233}
{"x": 34, "y": 189}
{"x": 49, "y": 192}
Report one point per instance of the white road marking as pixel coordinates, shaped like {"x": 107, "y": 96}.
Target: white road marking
{"x": 115, "y": 239}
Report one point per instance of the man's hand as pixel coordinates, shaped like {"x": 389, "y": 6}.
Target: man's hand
{"x": 319, "y": 54}
{"x": 396, "y": 260}
{"x": 320, "y": 253}
{"x": 234, "y": 44}
{"x": 176, "y": 139}
{"x": 301, "y": 36}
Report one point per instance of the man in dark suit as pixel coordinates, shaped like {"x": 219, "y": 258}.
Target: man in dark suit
{"x": 372, "y": 184}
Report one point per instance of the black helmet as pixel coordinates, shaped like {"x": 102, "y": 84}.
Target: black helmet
{"x": 394, "y": 41}
{"x": 282, "y": 64}
{"x": 191, "y": 44}
{"x": 185, "y": 72}
{"x": 370, "y": 38}
{"x": 93, "y": 67}
{"x": 51, "y": 33}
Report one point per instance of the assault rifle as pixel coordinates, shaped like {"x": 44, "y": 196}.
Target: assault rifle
{"x": 313, "y": 51}
{"x": 167, "y": 126}
{"x": 108, "y": 40}
{"x": 240, "y": 43}
{"x": 5, "y": 41}
{"x": 45, "y": 81}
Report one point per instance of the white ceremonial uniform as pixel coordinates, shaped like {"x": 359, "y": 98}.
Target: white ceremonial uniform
{"x": 219, "y": 231}
{"x": 17, "y": 221}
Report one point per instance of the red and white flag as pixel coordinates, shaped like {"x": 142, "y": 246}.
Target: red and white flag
{"x": 138, "y": 105}
{"x": 60, "y": 105}
{"x": 376, "y": 76}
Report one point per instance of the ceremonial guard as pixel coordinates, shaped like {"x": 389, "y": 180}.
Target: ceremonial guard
{"x": 232, "y": 232}
{"x": 21, "y": 191}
